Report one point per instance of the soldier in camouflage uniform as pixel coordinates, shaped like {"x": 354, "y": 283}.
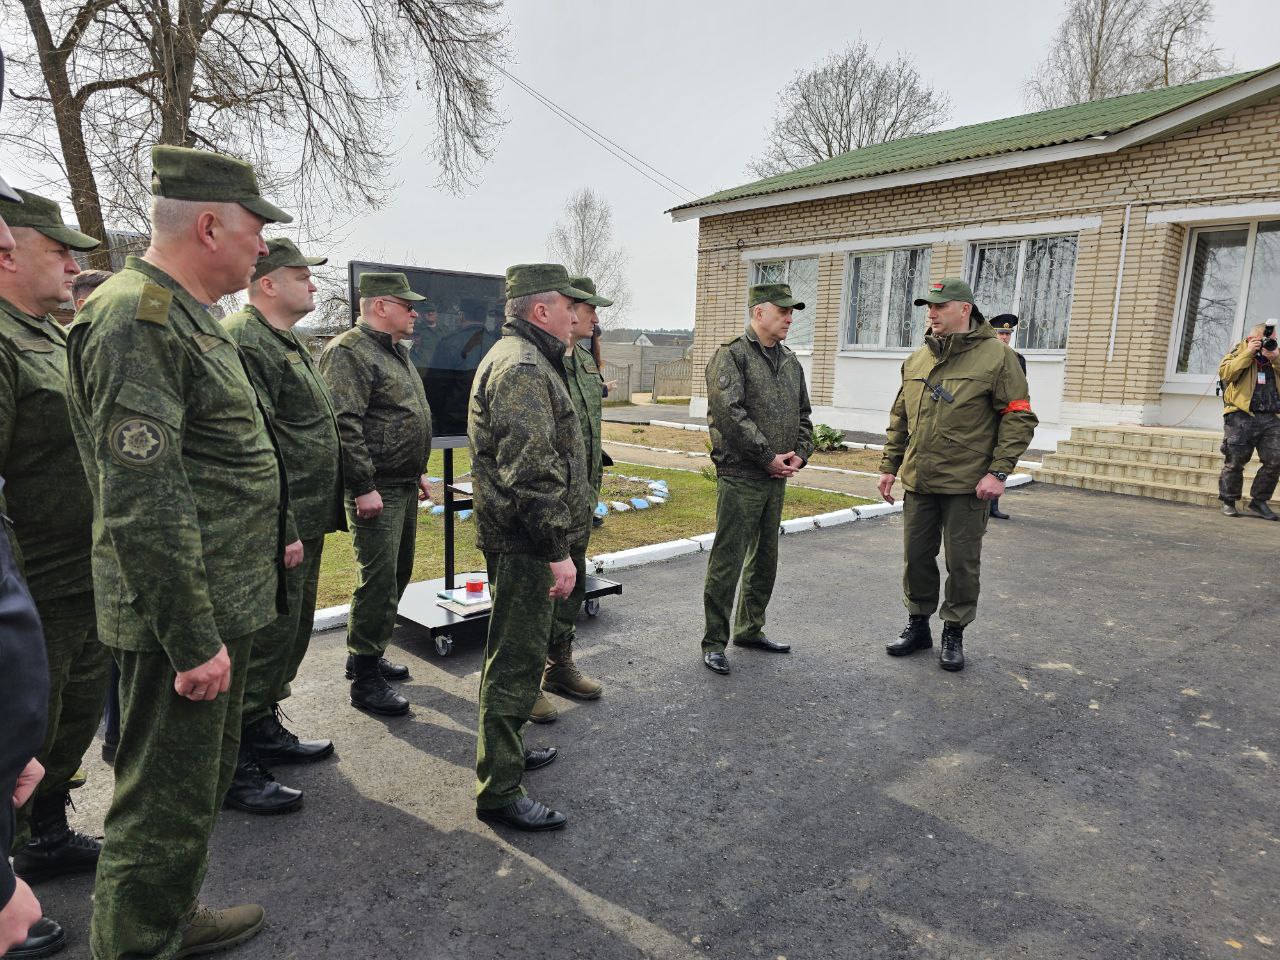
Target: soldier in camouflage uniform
{"x": 189, "y": 505}
{"x": 585, "y": 390}
{"x": 961, "y": 420}
{"x": 385, "y": 426}
{"x": 533, "y": 502}
{"x": 302, "y": 418}
{"x": 758, "y": 407}
{"x": 47, "y": 495}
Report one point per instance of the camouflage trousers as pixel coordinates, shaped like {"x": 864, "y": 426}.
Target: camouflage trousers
{"x": 746, "y": 548}
{"x": 564, "y": 615}
{"x": 278, "y": 649}
{"x": 79, "y": 670}
{"x": 173, "y": 767}
{"x": 1243, "y": 433}
{"x": 515, "y": 653}
{"x": 957, "y": 522}
{"x": 384, "y": 554}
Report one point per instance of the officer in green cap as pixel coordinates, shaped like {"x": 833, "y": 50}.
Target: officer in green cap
{"x": 562, "y": 675}
{"x": 961, "y": 420}
{"x": 188, "y": 544}
{"x": 47, "y": 495}
{"x": 758, "y": 407}
{"x": 301, "y": 414}
{"x": 533, "y": 504}
{"x": 385, "y": 426}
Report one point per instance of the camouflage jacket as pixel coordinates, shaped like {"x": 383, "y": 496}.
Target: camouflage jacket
{"x": 940, "y": 446}
{"x": 756, "y": 412}
{"x": 383, "y": 417}
{"x": 532, "y": 493}
{"x": 585, "y": 391}
{"x": 297, "y": 403}
{"x": 188, "y": 492}
{"x": 47, "y": 493}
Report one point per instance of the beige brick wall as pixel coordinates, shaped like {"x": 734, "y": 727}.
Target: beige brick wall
{"x": 1231, "y": 160}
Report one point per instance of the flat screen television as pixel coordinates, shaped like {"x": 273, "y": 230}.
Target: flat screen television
{"x": 460, "y": 319}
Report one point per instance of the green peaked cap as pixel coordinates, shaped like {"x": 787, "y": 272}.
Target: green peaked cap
{"x": 587, "y": 285}
{"x": 45, "y": 216}
{"x": 952, "y": 288}
{"x": 779, "y": 294}
{"x": 282, "y": 252}
{"x": 387, "y": 285}
{"x": 526, "y": 279}
{"x": 182, "y": 173}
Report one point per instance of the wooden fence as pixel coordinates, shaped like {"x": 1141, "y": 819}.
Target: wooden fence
{"x": 672, "y": 379}
{"x": 622, "y": 374}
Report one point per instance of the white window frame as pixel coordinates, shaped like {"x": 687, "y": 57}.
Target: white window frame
{"x": 880, "y": 349}
{"x": 803, "y": 350}
{"x": 1171, "y": 374}
{"x": 970, "y": 269}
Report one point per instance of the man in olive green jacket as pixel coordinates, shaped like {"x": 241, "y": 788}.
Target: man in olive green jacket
{"x": 188, "y": 542}
{"x": 47, "y": 495}
{"x": 761, "y": 434}
{"x": 961, "y": 420}
{"x": 1250, "y": 421}
{"x": 297, "y": 404}
{"x": 385, "y": 425}
{"x": 533, "y": 505}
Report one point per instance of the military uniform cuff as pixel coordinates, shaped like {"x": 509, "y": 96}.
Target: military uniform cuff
{"x": 194, "y": 652}
{"x": 1002, "y": 466}
{"x": 888, "y": 466}
{"x": 360, "y": 489}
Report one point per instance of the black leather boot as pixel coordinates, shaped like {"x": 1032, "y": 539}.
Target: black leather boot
{"x": 54, "y": 848}
{"x": 272, "y": 742}
{"x": 255, "y": 790}
{"x": 1260, "y": 508}
{"x": 370, "y": 690}
{"x": 45, "y": 938}
{"x": 916, "y": 636}
{"x": 389, "y": 670}
{"x": 995, "y": 510}
{"x": 952, "y": 656}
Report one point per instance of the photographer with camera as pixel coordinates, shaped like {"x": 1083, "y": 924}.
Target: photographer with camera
{"x": 1251, "y": 421}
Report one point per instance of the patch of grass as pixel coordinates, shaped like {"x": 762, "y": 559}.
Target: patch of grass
{"x": 691, "y": 511}
{"x": 672, "y": 438}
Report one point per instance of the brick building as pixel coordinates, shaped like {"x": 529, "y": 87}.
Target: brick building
{"x": 1136, "y": 237}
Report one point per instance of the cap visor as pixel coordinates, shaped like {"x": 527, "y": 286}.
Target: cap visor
{"x": 599, "y": 301}
{"x": 72, "y": 238}
{"x": 573, "y": 293}
{"x": 267, "y": 211}
{"x": 8, "y": 193}
{"x": 410, "y": 295}
{"x": 316, "y": 261}
{"x": 787, "y": 303}
{"x": 931, "y": 298}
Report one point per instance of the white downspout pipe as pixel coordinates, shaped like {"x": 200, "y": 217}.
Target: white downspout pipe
{"x": 1115, "y": 307}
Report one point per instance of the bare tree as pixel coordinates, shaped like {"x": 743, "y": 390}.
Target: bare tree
{"x": 583, "y": 242}
{"x": 305, "y": 89}
{"x": 1107, "y": 48}
{"x": 850, "y": 100}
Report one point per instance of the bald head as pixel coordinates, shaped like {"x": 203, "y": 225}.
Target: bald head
{"x": 211, "y": 248}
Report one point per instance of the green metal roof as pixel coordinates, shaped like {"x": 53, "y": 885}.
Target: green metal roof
{"x": 1027, "y": 132}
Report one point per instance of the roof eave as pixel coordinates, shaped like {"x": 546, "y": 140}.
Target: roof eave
{"x": 1207, "y": 108}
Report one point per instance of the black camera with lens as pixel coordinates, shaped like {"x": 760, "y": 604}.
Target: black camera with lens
{"x": 1269, "y": 341}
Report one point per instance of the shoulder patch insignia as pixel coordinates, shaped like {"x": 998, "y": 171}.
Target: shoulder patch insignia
{"x": 33, "y": 344}
{"x": 723, "y": 381}
{"x": 137, "y": 441}
{"x": 526, "y": 356}
{"x": 207, "y": 341}
{"x": 153, "y": 304}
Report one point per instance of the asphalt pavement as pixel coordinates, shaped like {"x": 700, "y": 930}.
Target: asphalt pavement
{"x": 1100, "y": 781}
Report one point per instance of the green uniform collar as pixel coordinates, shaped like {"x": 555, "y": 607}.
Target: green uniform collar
{"x": 288, "y": 336}
{"x": 955, "y": 343}
{"x": 399, "y": 349}
{"x": 45, "y": 325}
{"x": 189, "y": 303}
{"x": 551, "y": 347}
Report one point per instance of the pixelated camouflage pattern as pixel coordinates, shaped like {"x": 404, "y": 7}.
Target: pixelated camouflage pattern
{"x": 938, "y": 447}
{"x": 383, "y": 417}
{"x": 530, "y": 478}
{"x": 189, "y": 499}
{"x": 755, "y": 412}
{"x": 46, "y": 493}
{"x": 585, "y": 390}
{"x": 297, "y": 403}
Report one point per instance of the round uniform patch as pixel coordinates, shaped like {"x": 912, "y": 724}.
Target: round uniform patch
{"x": 137, "y": 441}
{"x": 724, "y": 381}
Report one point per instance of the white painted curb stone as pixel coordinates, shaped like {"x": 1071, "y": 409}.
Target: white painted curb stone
{"x": 835, "y": 518}
{"x": 648, "y": 554}
{"x": 798, "y": 525}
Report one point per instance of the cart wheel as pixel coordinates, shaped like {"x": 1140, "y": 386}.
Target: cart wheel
{"x": 444, "y": 644}
{"x": 593, "y": 607}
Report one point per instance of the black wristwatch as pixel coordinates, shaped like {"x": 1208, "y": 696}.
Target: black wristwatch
{"x": 1002, "y": 477}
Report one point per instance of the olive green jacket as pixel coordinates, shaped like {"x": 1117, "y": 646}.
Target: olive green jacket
{"x": 188, "y": 492}
{"x": 297, "y": 403}
{"x": 383, "y": 416}
{"x": 756, "y": 412}
{"x": 585, "y": 390}
{"x": 531, "y": 483}
{"x": 936, "y": 446}
{"x": 46, "y": 492}
{"x": 1238, "y": 373}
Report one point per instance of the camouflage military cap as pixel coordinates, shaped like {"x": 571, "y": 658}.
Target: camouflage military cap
{"x": 944, "y": 291}
{"x": 779, "y": 294}
{"x": 45, "y": 216}
{"x": 181, "y": 173}
{"x": 282, "y": 253}
{"x": 526, "y": 279}
{"x": 589, "y": 286}
{"x": 387, "y": 285}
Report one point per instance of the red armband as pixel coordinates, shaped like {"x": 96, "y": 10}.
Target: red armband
{"x": 1016, "y": 405}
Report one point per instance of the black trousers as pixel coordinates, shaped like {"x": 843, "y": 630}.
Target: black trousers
{"x": 1242, "y": 434}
